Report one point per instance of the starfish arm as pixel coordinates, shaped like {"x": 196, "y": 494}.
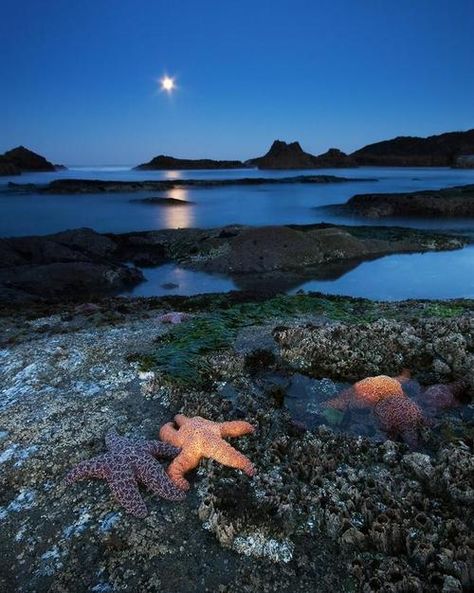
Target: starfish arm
{"x": 236, "y": 428}
{"x": 169, "y": 434}
{"x": 160, "y": 449}
{"x": 113, "y": 440}
{"x": 91, "y": 468}
{"x": 180, "y": 419}
{"x": 342, "y": 401}
{"x": 227, "y": 455}
{"x": 125, "y": 490}
{"x": 154, "y": 477}
{"x": 181, "y": 465}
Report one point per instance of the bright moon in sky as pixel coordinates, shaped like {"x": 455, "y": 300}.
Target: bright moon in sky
{"x": 167, "y": 84}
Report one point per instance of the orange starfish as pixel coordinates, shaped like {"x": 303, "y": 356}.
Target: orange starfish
{"x": 197, "y": 438}
{"x": 367, "y": 393}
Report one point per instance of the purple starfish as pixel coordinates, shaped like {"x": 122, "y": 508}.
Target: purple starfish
{"x": 128, "y": 462}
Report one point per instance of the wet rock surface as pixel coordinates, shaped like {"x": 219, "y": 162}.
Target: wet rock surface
{"x": 449, "y": 203}
{"x": 81, "y": 263}
{"x": 74, "y": 264}
{"x": 345, "y": 512}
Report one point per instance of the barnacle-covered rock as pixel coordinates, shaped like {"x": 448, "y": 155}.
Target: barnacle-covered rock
{"x": 438, "y": 350}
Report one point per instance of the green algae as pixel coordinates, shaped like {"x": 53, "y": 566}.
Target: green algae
{"x": 180, "y": 353}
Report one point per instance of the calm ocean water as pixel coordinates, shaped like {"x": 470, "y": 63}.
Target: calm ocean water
{"x": 437, "y": 275}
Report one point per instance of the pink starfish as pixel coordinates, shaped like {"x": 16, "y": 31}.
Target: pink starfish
{"x": 127, "y": 463}
{"x": 174, "y": 317}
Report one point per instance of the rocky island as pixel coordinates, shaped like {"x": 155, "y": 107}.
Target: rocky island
{"x": 163, "y": 162}
{"x": 22, "y": 160}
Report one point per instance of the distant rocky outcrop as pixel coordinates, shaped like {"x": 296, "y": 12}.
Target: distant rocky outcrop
{"x": 163, "y": 162}
{"x": 22, "y": 160}
{"x": 411, "y": 151}
{"x": 283, "y": 155}
{"x": 334, "y": 158}
{"x": 447, "y": 203}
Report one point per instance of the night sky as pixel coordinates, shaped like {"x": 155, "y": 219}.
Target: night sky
{"x": 79, "y": 77}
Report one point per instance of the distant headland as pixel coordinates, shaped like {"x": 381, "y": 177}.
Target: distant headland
{"x": 452, "y": 149}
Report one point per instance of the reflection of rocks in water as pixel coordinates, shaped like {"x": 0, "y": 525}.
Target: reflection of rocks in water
{"x": 277, "y": 282}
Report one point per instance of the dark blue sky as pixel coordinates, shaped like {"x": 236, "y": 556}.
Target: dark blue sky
{"x": 78, "y": 77}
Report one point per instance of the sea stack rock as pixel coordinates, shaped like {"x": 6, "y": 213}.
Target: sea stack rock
{"x": 283, "y": 155}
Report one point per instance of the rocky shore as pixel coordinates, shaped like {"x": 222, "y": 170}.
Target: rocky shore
{"x": 97, "y": 186}
{"x": 80, "y": 263}
{"x": 350, "y": 512}
{"x": 447, "y": 203}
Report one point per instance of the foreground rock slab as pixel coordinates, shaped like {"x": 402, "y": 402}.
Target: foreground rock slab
{"x": 80, "y": 263}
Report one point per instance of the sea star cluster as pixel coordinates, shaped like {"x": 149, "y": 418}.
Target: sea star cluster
{"x": 126, "y": 463}
{"x": 198, "y": 438}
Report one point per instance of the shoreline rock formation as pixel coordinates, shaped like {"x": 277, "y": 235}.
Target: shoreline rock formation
{"x": 448, "y": 203}
{"x": 22, "y": 160}
{"x": 90, "y": 186}
{"x": 440, "y": 150}
{"x": 80, "y": 263}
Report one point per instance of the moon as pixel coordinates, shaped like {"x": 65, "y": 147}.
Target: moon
{"x": 168, "y": 84}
